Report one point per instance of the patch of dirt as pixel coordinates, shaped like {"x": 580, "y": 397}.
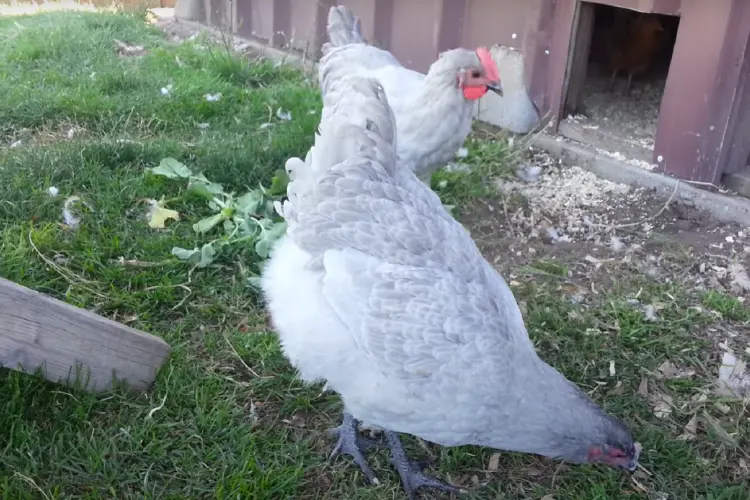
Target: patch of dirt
{"x": 604, "y": 234}
{"x": 564, "y": 212}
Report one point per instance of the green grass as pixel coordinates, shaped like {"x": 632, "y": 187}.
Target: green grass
{"x": 226, "y": 417}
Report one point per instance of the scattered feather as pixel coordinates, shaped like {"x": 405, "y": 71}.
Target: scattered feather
{"x": 740, "y": 279}
{"x": 734, "y": 380}
{"x": 649, "y": 312}
{"x": 53, "y": 191}
{"x": 15, "y": 144}
{"x": 212, "y": 97}
{"x": 494, "y": 462}
{"x": 283, "y": 114}
{"x": 529, "y": 173}
{"x": 166, "y": 90}
{"x": 71, "y": 220}
{"x": 612, "y": 369}
{"x": 203, "y": 125}
{"x": 616, "y": 244}
{"x": 457, "y": 167}
{"x": 462, "y": 153}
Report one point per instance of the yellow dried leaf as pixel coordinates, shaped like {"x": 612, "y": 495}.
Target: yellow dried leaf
{"x": 159, "y": 214}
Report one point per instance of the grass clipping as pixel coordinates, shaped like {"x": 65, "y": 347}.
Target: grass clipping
{"x": 247, "y": 219}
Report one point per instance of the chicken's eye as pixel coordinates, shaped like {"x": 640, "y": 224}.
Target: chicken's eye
{"x": 476, "y": 74}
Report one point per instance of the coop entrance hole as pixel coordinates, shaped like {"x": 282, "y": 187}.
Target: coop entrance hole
{"x": 617, "y": 119}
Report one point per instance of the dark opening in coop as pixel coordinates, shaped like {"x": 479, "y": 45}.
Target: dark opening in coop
{"x": 616, "y": 78}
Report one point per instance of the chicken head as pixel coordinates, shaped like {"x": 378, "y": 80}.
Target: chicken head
{"x": 476, "y": 80}
{"x": 619, "y": 457}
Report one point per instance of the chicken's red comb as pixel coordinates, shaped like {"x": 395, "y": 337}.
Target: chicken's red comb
{"x": 488, "y": 63}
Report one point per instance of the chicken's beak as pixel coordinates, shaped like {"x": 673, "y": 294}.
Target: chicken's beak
{"x": 496, "y": 87}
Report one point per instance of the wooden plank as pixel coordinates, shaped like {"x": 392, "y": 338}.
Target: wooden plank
{"x": 701, "y": 89}
{"x": 72, "y": 344}
{"x": 580, "y": 48}
{"x": 666, "y": 7}
{"x": 565, "y": 19}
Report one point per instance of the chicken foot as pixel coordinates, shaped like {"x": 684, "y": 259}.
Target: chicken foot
{"x": 351, "y": 443}
{"x": 411, "y": 473}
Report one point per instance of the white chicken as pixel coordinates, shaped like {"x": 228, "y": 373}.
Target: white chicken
{"x": 433, "y": 112}
{"x": 377, "y": 291}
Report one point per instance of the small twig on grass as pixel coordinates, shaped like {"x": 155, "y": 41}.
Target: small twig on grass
{"x": 507, "y": 219}
{"x": 122, "y": 261}
{"x": 240, "y": 357}
{"x": 153, "y": 410}
{"x": 69, "y": 275}
{"x": 32, "y": 483}
{"x": 181, "y": 285}
{"x": 645, "y": 470}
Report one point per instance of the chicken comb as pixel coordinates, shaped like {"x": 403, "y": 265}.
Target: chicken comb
{"x": 488, "y": 63}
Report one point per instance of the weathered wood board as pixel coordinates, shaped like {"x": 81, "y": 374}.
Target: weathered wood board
{"x": 72, "y": 344}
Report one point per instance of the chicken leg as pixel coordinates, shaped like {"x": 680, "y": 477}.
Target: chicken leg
{"x": 410, "y": 472}
{"x": 351, "y": 443}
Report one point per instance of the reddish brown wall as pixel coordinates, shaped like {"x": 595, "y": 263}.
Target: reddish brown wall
{"x": 416, "y": 31}
{"x": 696, "y": 141}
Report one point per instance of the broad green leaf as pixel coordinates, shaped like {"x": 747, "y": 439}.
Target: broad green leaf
{"x": 200, "y": 189}
{"x": 205, "y": 225}
{"x": 250, "y": 202}
{"x": 270, "y": 210}
{"x": 199, "y": 257}
{"x": 208, "y": 252}
{"x": 193, "y": 256}
{"x": 215, "y": 188}
{"x": 173, "y": 169}
{"x": 228, "y": 226}
{"x": 268, "y": 237}
{"x": 277, "y": 230}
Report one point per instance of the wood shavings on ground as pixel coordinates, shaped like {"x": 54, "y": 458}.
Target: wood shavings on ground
{"x": 565, "y": 203}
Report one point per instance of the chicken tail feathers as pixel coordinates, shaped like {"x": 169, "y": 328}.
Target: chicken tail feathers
{"x": 356, "y": 138}
{"x": 343, "y": 27}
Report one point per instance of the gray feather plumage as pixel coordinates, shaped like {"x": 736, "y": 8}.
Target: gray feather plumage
{"x": 406, "y": 319}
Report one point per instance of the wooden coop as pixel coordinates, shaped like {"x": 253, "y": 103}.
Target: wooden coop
{"x": 688, "y": 113}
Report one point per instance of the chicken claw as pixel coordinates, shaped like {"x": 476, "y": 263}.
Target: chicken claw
{"x": 410, "y": 472}
{"x": 352, "y": 444}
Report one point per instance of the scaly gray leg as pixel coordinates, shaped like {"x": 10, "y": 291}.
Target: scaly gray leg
{"x": 351, "y": 443}
{"x": 411, "y": 474}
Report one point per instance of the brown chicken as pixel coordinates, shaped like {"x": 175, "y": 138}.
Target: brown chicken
{"x": 632, "y": 45}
